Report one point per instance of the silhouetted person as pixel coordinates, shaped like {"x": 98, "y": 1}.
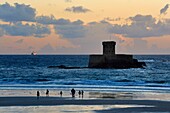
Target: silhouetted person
{"x": 61, "y": 93}
{"x": 82, "y": 93}
{"x": 38, "y": 94}
{"x": 79, "y": 93}
{"x": 47, "y": 92}
{"x": 73, "y": 92}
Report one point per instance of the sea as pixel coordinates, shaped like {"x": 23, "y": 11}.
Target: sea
{"x": 32, "y": 72}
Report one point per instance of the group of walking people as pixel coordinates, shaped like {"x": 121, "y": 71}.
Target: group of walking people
{"x": 80, "y": 93}
{"x": 73, "y": 92}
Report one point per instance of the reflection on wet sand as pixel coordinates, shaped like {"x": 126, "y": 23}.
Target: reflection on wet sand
{"x": 111, "y": 95}
{"x": 64, "y": 108}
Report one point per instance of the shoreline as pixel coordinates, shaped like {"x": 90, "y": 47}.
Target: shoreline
{"x": 89, "y": 94}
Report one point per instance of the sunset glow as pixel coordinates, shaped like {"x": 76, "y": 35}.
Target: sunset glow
{"x": 79, "y": 26}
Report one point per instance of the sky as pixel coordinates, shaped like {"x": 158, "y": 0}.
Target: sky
{"x": 80, "y": 26}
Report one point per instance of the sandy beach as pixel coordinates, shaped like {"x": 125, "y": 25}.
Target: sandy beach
{"x": 145, "y": 105}
{"x": 98, "y": 102}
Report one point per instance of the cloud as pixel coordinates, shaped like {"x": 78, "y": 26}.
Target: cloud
{"x": 19, "y": 29}
{"x": 95, "y": 33}
{"x": 77, "y": 9}
{"x": 142, "y": 19}
{"x": 71, "y": 31}
{"x": 64, "y": 27}
{"x": 62, "y": 21}
{"x": 21, "y": 12}
{"x": 142, "y": 26}
{"x": 68, "y": 0}
{"x": 163, "y": 10}
{"x": 78, "y": 22}
{"x": 19, "y": 41}
{"x": 46, "y": 20}
{"x": 112, "y": 19}
{"x": 68, "y": 29}
{"x": 18, "y": 12}
{"x": 118, "y": 39}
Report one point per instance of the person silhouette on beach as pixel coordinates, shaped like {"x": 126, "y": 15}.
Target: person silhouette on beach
{"x": 79, "y": 93}
{"x": 47, "y": 92}
{"x": 73, "y": 92}
{"x": 82, "y": 93}
{"x": 61, "y": 93}
{"x": 38, "y": 94}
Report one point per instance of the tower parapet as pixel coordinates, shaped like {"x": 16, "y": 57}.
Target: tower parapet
{"x": 109, "y": 48}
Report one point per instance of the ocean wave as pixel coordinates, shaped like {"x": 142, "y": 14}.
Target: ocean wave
{"x": 100, "y": 83}
{"x": 104, "y": 88}
{"x": 147, "y": 60}
{"x": 124, "y": 80}
{"x": 157, "y": 81}
{"x": 42, "y": 80}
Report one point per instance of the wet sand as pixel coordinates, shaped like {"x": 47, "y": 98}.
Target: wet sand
{"x": 138, "y": 102}
{"x": 151, "y": 105}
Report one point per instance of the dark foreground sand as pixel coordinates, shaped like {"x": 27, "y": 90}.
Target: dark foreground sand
{"x": 148, "y": 105}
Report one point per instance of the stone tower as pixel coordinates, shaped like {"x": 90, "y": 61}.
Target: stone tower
{"x": 111, "y": 60}
{"x": 109, "y": 48}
